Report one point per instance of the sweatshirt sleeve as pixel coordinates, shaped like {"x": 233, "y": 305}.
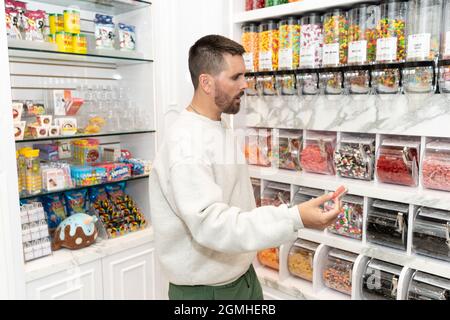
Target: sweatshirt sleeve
{"x": 216, "y": 225}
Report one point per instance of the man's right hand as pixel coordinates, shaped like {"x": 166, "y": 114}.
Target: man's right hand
{"x": 314, "y": 217}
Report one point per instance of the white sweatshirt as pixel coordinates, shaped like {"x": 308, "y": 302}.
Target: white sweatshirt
{"x": 207, "y": 230}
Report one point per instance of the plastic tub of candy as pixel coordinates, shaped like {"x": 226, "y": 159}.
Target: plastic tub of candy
{"x": 276, "y": 194}
{"x": 431, "y": 233}
{"x": 436, "y": 165}
{"x": 337, "y": 274}
{"x": 335, "y": 38}
{"x": 357, "y": 82}
{"x": 258, "y": 147}
{"x": 418, "y": 80}
{"x": 425, "y": 286}
{"x": 252, "y": 89}
{"x": 269, "y": 258}
{"x": 286, "y": 84}
{"x": 305, "y": 194}
{"x": 362, "y": 34}
{"x": 250, "y": 42}
{"x": 355, "y": 157}
{"x": 301, "y": 257}
{"x": 387, "y": 224}
{"x": 444, "y": 79}
{"x": 256, "y": 184}
{"x": 311, "y": 41}
{"x": 350, "y": 222}
{"x": 391, "y": 44}
{"x": 267, "y": 84}
{"x": 289, "y": 56}
{"x": 386, "y": 81}
{"x": 317, "y": 155}
{"x": 380, "y": 280}
{"x": 268, "y": 45}
{"x": 289, "y": 148}
{"x": 331, "y": 83}
{"x": 397, "y": 162}
{"x": 307, "y": 84}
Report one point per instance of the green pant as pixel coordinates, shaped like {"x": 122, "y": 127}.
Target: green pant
{"x": 247, "y": 287}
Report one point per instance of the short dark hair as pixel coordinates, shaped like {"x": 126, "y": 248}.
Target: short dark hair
{"x": 206, "y": 55}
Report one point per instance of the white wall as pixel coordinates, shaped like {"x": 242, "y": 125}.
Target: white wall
{"x": 180, "y": 24}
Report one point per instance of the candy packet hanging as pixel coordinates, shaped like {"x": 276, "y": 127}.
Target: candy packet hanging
{"x": 127, "y": 37}
{"x": 104, "y": 31}
{"x": 54, "y": 209}
{"x": 76, "y": 201}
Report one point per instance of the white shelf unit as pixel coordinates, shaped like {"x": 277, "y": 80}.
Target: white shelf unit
{"x": 415, "y": 197}
{"x": 35, "y": 70}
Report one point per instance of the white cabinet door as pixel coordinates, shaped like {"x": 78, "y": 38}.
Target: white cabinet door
{"x": 130, "y": 274}
{"x": 79, "y": 283}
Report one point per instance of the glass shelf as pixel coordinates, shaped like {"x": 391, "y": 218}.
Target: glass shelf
{"x": 81, "y": 136}
{"x": 44, "y": 193}
{"x": 113, "y": 7}
{"x": 113, "y": 56}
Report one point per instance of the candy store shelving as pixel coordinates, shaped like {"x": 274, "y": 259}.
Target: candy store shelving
{"x": 36, "y": 70}
{"x": 418, "y": 117}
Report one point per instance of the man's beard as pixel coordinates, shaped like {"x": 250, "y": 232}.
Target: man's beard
{"x": 227, "y": 104}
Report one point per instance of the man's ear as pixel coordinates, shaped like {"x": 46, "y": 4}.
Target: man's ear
{"x": 206, "y": 83}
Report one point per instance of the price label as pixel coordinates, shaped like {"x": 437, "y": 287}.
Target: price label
{"x": 387, "y": 49}
{"x": 331, "y": 54}
{"x": 419, "y": 46}
{"x": 357, "y": 51}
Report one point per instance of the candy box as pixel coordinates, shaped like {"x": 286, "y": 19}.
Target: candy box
{"x": 301, "y": 257}
{"x": 19, "y": 130}
{"x": 116, "y": 171}
{"x": 127, "y": 37}
{"x": 337, "y": 274}
{"x": 38, "y": 131}
{"x": 34, "y": 109}
{"x": 318, "y": 154}
{"x": 64, "y": 149}
{"x": 47, "y": 152}
{"x": 68, "y": 126}
{"x": 53, "y": 131}
{"x": 276, "y": 194}
{"x": 17, "y": 109}
{"x": 110, "y": 152}
{"x": 45, "y": 120}
{"x": 60, "y": 98}
{"x": 53, "y": 179}
{"x": 349, "y": 222}
{"x": 73, "y": 106}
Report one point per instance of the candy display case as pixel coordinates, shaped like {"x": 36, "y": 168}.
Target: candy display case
{"x": 250, "y": 42}
{"x": 424, "y": 286}
{"x": 289, "y": 54}
{"x": 331, "y": 83}
{"x": 276, "y": 194}
{"x": 357, "y": 82}
{"x": 286, "y": 84}
{"x": 386, "y": 81}
{"x": 355, "y": 157}
{"x": 258, "y": 147}
{"x": 305, "y": 194}
{"x": 307, "y": 84}
{"x": 267, "y": 85}
{"x": 436, "y": 165}
{"x": 300, "y": 259}
{"x": 387, "y": 224}
{"x": 398, "y": 161}
{"x": 317, "y": 155}
{"x": 290, "y": 144}
{"x": 337, "y": 274}
{"x": 380, "y": 280}
{"x": 268, "y": 45}
{"x": 422, "y": 44}
{"x": 252, "y": 89}
{"x": 350, "y": 222}
{"x": 431, "y": 233}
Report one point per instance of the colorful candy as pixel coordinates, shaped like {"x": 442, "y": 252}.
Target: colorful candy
{"x": 300, "y": 259}
{"x": 268, "y": 46}
{"x": 258, "y": 147}
{"x": 391, "y": 46}
{"x": 350, "y": 222}
{"x": 355, "y": 159}
{"x": 335, "y": 30}
{"x": 357, "y": 82}
{"x": 250, "y": 42}
{"x": 311, "y": 42}
{"x": 386, "y": 81}
{"x": 338, "y": 271}
{"x": 436, "y": 166}
{"x": 286, "y": 84}
{"x": 289, "y": 148}
{"x": 269, "y": 258}
{"x": 289, "y": 55}
{"x": 331, "y": 83}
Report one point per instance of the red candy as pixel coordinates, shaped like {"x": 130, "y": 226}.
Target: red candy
{"x": 318, "y": 160}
